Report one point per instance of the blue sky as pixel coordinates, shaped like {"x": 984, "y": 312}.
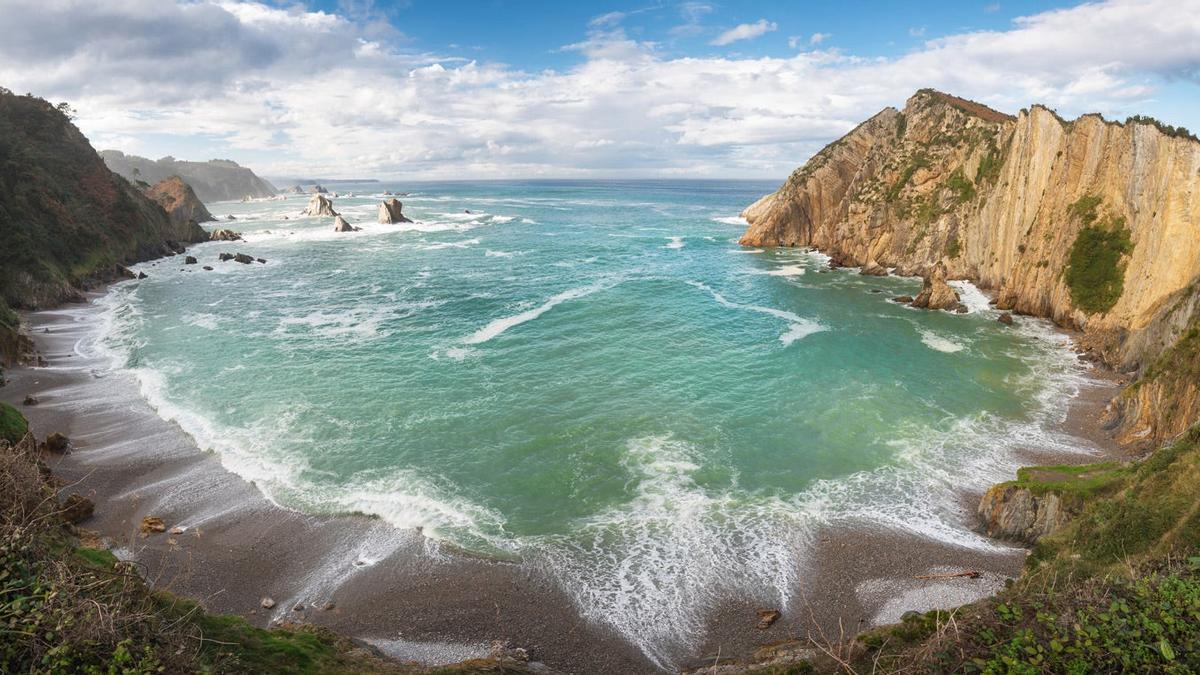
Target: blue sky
{"x": 501, "y": 89}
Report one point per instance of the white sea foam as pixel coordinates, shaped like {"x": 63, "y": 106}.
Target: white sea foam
{"x": 498, "y": 254}
{"x": 971, "y": 296}
{"x": 362, "y": 323}
{"x": 786, "y": 271}
{"x": 732, "y": 220}
{"x": 747, "y": 250}
{"x": 675, "y": 242}
{"x": 797, "y": 327}
{"x": 940, "y": 343}
{"x": 207, "y": 321}
{"x": 498, "y": 326}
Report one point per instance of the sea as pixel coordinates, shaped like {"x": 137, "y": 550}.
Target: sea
{"x": 592, "y": 377}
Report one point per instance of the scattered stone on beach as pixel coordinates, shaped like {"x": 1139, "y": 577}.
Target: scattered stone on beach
{"x": 225, "y": 235}
{"x": 190, "y": 260}
{"x": 141, "y": 275}
{"x": 56, "y": 443}
{"x": 936, "y": 293}
{"x": 903, "y": 299}
{"x": 340, "y": 225}
{"x": 873, "y": 269}
{"x": 152, "y": 524}
{"x": 207, "y": 268}
{"x": 243, "y": 258}
{"x": 225, "y": 256}
{"x": 767, "y": 617}
{"x": 391, "y": 211}
{"x": 267, "y": 603}
{"x": 1005, "y": 318}
{"x": 30, "y": 399}
{"x": 319, "y": 205}
{"x": 76, "y": 508}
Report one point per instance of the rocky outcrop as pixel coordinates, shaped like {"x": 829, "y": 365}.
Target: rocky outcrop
{"x": 391, "y": 211}
{"x": 1017, "y": 514}
{"x": 319, "y": 205}
{"x": 215, "y": 180}
{"x": 340, "y": 225}
{"x": 179, "y": 201}
{"x": 225, "y": 235}
{"x": 873, "y": 269}
{"x": 935, "y": 292}
{"x": 1003, "y": 200}
{"x": 318, "y": 189}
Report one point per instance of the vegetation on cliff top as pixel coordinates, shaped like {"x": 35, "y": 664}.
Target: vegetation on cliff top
{"x": 1095, "y": 272}
{"x": 13, "y": 426}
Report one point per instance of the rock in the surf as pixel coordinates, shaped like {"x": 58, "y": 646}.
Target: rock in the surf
{"x": 390, "y": 211}
{"x": 319, "y": 205}
{"x": 224, "y": 235}
{"x": 936, "y": 293}
{"x": 873, "y": 269}
{"x": 1005, "y": 318}
{"x": 340, "y": 225}
{"x": 243, "y": 258}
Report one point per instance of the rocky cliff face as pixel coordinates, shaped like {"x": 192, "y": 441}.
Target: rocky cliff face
{"x": 66, "y": 221}
{"x": 1093, "y": 224}
{"x": 214, "y": 181}
{"x": 179, "y": 201}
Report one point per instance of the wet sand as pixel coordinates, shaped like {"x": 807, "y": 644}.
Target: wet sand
{"x": 408, "y": 595}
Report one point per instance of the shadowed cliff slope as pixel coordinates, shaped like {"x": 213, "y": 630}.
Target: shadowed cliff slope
{"x": 1091, "y": 223}
{"x": 66, "y": 221}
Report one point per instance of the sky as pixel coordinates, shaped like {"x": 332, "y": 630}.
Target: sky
{"x": 503, "y": 89}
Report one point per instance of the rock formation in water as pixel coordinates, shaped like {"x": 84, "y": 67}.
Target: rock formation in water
{"x": 1091, "y": 223}
{"x": 225, "y": 235}
{"x": 179, "y": 201}
{"x": 215, "y": 180}
{"x": 391, "y": 211}
{"x": 340, "y": 225}
{"x": 935, "y": 292}
{"x": 319, "y": 205}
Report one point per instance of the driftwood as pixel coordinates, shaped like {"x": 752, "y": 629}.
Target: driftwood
{"x": 971, "y": 574}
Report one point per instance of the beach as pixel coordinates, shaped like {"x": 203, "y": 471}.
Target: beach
{"x": 408, "y": 595}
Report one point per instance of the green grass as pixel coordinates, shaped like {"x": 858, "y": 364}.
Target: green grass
{"x": 914, "y": 164}
{"x": 13, "y": 426}
{"x": 989, "y": 165}
{"x": 1082, "y": 481}
{"x": 953, "y": 248}
{"x": 1095, "y": 272}
{"x": 964, "y": 189}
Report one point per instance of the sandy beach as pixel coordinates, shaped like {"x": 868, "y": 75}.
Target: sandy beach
{"x": 403, "y": 592}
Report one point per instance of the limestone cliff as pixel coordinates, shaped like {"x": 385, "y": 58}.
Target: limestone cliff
{"x": 1091, "y": 223}
{"x": 179, "y": 201}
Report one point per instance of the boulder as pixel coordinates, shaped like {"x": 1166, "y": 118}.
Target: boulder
{"x": 230, "y": 217}
{"x": 766, "y": 617}
{"x": 56, "y": 443}
{"x": 1005, "y": 318}
{"x": 30, "y": 399}
{"x": 141, "y": 275}
{"x": 225, "y": 256}
{"x": 207, "y": 268}
{"x": 225, "y": 235}
{"x": 1018, "y": 514}
{"x": 390, "y": 212}
{"x": 319, "y": 205}
{"x": 340, "y": 225}
{"x": 873, "y": 269}
{"x": 266, "y": 603}
{"x": 903, "y": 299}
{"x": 190, "y": 260}
{"x": 77, "y": 508}
{"x": 152, "y": 524}
{"x": 262, "y": 260}
{"x": 243, "y": 258}
{"x": 936, "y": 293}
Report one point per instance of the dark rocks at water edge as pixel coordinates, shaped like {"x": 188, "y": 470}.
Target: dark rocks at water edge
{"x": 873, "y": 269}
{"x": 207, "y": 268}
{"x": 243, "y": 258}
{"x": 937, "y": 294}
{"x": 1005, "y": 318}
{"x": 56, "y": 443}
{"x": 225, "y": 235}
{"x": 391, "y": 211}
{"x": 903, "y": 299}
{"x": 190, "y": 260}
{"x": 238, "y": 257}
{"x": 225, "y": 256}
{"x": 30, "y": 400}
{"x": 77, "y": 508}
{"x": 142, "y": 275}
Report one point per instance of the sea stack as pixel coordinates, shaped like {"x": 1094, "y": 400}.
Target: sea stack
{"x": 340, "y": 225}
{"x": 390, "y": 212}
{"x": 319, "y": 205}
{"x": 936, "y": 293}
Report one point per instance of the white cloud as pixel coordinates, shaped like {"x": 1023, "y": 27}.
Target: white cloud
{"x": 293, "y": 92}
{"x": 745, "y": 31}
{"x": 818, "y": 38}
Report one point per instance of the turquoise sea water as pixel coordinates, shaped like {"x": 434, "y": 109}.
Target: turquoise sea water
{"x": 592, "y": 376}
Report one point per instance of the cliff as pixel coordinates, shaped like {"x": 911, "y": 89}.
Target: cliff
{"x": 1091, "y": 223}
{"x": 66, "y": 221}
{"x": 179, "y": 201}
{"x": 214, "y": 181}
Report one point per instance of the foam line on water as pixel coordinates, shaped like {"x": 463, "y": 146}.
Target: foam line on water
{"x": 798, "y": 327}
{"x": 498, "y": 326}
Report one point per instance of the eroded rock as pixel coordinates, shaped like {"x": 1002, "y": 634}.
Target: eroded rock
{"x": 390, "y": 211}
{"x": 936, "y": 293}
{"x": 319, "y": 205}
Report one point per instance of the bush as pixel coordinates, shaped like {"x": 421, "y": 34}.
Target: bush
{"x": 13, "y": 426}
{"x": 1095, "y": 273}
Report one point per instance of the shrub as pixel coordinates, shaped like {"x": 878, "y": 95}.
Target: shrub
{"x": 1095, "y": 273}
{"x": 13, "y": 426}
{"x": 964, "y": 189}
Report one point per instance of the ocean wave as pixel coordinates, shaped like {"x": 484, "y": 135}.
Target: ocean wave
{"x": 674, "y": 242}
{"x": 939, "y": 343}
{"x": 498, "y": 326}
{"x": 970, "y": 295}
{"x": 731, "y": 220}
{"x": 798, "y": 327}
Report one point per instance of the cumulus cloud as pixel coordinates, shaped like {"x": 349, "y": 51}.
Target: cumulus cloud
{"x": 745, "y": 31}
{"x": 317, "y": 93}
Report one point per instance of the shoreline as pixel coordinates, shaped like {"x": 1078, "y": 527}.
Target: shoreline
{"x": 407, "y": 594}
